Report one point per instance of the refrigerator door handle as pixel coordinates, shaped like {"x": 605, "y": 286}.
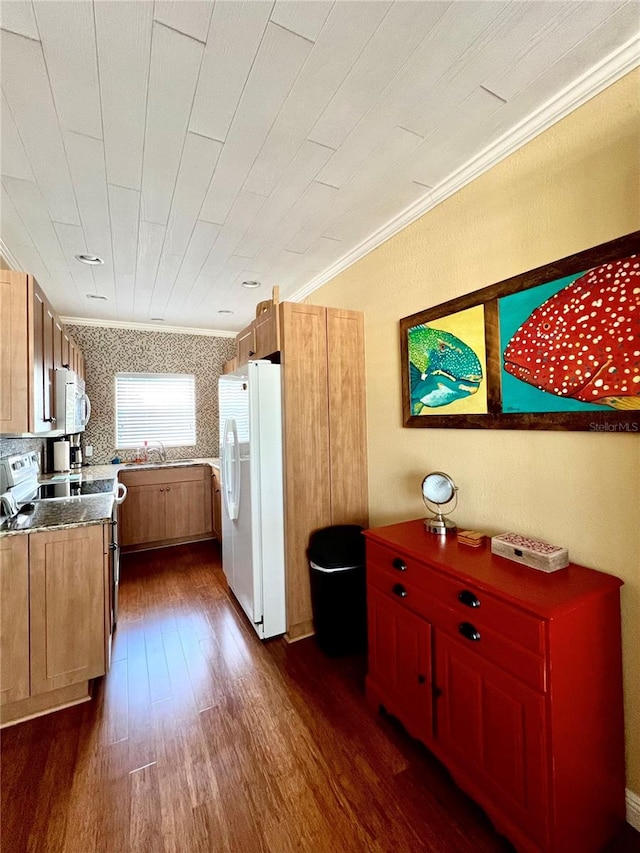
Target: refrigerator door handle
{"x": 231, "y": 469}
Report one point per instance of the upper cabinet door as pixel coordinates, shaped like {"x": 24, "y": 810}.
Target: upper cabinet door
{"x": 14, "y": 353}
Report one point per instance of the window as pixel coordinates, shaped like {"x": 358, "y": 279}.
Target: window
{"x": 160, "y": 406}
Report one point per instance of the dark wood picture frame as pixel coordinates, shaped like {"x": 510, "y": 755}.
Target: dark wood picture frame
{"x": 615, "y": 420}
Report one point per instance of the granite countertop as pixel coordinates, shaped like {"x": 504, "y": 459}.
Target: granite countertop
{"x": 64, "y": 512}
{"x": 86, "y": 509}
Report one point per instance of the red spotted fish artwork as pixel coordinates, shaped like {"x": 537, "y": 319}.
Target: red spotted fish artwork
{"x": 578, "y": 340}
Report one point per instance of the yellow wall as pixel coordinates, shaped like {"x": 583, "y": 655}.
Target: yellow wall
{"x": 573, "y": 187}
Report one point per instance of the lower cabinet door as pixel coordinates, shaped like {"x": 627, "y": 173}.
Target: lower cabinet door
{"x": 67, "y": 607}
{"x": 14, "y": 618}
{"x": 187, "y": 513}
{"x": 141, "y": 516}
{"x": 491, "y": 728}
{"x": 400, "y": 662}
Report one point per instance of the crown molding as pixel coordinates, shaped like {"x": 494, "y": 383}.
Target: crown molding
{"x": 8, "y": 255}
{"x": 146, "y": 327}
{"x": 591, "y": 83}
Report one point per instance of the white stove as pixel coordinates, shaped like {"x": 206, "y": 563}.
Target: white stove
{"x": 19, "y": 484}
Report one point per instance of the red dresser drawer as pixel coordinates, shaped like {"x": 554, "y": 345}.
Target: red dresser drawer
{"x": 511, "y": 622}
{"x": 459, "y": 622}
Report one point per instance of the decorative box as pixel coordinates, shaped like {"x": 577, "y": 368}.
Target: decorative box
{"x": 530, "y": 552}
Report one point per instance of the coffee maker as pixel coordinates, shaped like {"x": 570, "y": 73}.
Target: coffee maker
{"x": 75, "y": 451}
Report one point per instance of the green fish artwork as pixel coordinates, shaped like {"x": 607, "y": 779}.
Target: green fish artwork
{"x": 442, "y": 368}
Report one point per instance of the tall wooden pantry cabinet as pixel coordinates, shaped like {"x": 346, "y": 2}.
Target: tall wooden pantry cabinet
{"x": 324, "y": 432}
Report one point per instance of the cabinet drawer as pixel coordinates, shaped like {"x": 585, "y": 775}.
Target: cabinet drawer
{"x": 482, "y": 608}
{"x": 492, "y": 644}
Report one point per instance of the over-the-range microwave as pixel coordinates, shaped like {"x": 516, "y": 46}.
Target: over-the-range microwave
{"x": 72, "y": 404}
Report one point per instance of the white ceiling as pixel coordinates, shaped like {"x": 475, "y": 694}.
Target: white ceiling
{"x": 197, "y": 144}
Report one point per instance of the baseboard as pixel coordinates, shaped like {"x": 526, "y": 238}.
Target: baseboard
{"x": 633, "y": 809}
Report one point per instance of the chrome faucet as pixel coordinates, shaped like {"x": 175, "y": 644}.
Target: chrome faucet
{"x": 162, "y": 453}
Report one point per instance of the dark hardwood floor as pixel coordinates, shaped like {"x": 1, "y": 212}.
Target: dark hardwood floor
{"x": 202, "y": 738}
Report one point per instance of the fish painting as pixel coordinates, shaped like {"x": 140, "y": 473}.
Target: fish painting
{"x": 442, "y": 368}
{"x": 584, "y": 341}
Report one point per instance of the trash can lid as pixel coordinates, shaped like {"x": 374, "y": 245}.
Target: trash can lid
{"x": 339, "y": 546}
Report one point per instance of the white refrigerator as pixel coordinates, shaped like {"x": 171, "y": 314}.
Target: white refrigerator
{"x": 252, "y": 506}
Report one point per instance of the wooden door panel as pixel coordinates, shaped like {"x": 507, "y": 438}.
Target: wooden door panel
{"x": 49, "y": 363}
{"x": 186, "y": 510}
{"x": 38, "y": 384}
{"x": 14, "y": 372}
{"x": 347, "y": 417}
{"x": 267, "y": 332}
{"x": 67, "y": 607}
{"x": 307, "y": 488}
{"x": 141, "y": 516}
{"x": 14, "y": 618}
{"x": 246, "y": 345}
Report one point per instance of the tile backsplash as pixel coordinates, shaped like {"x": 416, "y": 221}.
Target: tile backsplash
{"x": 109, "y": 351}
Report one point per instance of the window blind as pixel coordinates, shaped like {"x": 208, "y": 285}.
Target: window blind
{"x": 158, "y": 406}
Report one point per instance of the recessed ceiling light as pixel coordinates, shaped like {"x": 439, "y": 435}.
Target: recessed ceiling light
{"x": 225, "y": 311}
{"x": 251, "y": 284}
{"x": 93, "y": 260}
{"x": 96, "y": 296}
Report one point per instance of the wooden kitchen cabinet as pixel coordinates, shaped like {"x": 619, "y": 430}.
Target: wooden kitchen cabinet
{"x": 55, "y": 628}
{"x": 165, "y": 506}
{"x": 267, "y": 332}
{"x": 14, "y": 619}
{"x": 512, "y": 677}
{"x": 34, "y": 344}
{"x": 246, "y": 344}
{"x": 67, "y": 607}
{"x": 261, "y": 338}
{"x": 216, "y": 503}
{"x": 324, "y": 436}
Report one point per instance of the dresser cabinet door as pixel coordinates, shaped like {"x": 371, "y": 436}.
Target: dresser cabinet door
{"x": 491, "y": 728}
{"x": 400, "y": 662}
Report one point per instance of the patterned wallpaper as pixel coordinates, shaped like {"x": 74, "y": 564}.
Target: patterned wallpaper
{"x": 111, "y": 351}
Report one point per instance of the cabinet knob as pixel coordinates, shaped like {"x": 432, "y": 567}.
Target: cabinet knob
{"x": 468, "y": 598}
{"x": 168, "y": 489}
{"x": 400, "y": 591}
{"x": 162, "y": 490}
{"x": 251, "y": 352}
{"x": 399, "y": 565}
{"x": 422, "y": 679}
{"x": 469, "y": 631}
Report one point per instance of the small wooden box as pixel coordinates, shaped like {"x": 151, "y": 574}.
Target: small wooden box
{"x": 534, "y": 553}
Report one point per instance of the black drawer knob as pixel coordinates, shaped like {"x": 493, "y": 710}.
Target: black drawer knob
{"x": 469, "y": 631}
{"x": 468, "y": 598}
{"x": 399, "y": 565}
{"x": 400, "y": 591}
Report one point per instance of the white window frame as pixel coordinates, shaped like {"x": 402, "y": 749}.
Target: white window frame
{"x": 148, "y": 418}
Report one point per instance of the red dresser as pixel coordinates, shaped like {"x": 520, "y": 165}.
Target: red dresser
{"x": 511, "y": 676}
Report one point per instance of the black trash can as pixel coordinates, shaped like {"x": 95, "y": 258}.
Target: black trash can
{"x": 338, "y": 588}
